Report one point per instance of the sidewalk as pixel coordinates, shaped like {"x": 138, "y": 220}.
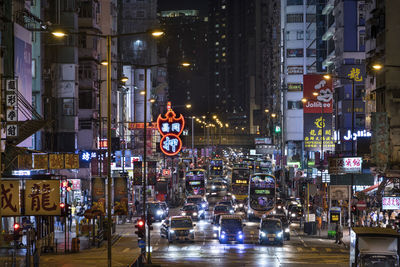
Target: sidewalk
{"x": 324, "y": 235}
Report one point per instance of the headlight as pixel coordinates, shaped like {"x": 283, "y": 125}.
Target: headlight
{"x": 241, "y": 205}
{"x": 279, "y": 234}
{"x": 160, "y": 212}
{"x": 203, "y": 205}
{"x": 216, "y": 228}
{"x": 171, "y": 231}
{"x": 213, "y": 187}
{"x": 215, "y": 234}
{"x": 183, "y": 213}
{"x": 279, "y": 207}
{"x": 263, "y": 234}
{"x": 240, "y": 236}
{"x": 191, "y": 231}
{"x": 231, "y": 211}
{"x": 222, "y": 236}
{"x": 194, "y": 213}
{"x": 287, "y": 230}
{"x": 250, "y": 211}
{"x": 293, "y": 215}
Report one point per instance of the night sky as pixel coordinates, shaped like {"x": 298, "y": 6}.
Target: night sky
{"x": 201, "y": 5}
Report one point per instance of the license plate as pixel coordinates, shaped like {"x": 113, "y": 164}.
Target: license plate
{"x": 271, "y": 239}
{"x": 271, "y": 236}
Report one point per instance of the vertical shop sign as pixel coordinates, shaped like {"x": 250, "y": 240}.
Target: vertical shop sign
{"x": 9, "y": 195}
{"x": 42, "y": 197}
{"x": 151, "y": 172}
{"x": 120, "y": 196}
{"x": 98, "y": 196}
{"x": 137, "y": 173}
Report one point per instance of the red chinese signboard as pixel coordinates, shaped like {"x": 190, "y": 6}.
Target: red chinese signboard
{"x": 316, "y": 83}
{"x": 42, "y": 197}
{"x": 170, "y": 128}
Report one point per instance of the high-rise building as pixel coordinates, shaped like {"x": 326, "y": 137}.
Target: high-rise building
{"x": 244, "y": 61}
{"x": 382, "y": 87}
{"x": 186, "y": 40}
{"x": 345, "y": 58}
{"x": 298, "y": 22}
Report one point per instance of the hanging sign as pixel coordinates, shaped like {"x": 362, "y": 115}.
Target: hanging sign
{"x": 170, "y": 128}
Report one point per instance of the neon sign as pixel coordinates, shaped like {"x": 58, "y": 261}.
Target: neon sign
{"x": 170, "y": 128}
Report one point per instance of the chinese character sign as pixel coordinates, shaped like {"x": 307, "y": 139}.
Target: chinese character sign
{"x": 42, "y": 197}
{"x": 98, "y": 195}
{"x": 151, "y": 172}
{"x": 120, "y": 196}
{"x": 345, "y": 165}
{"x": 137, "y": 173}
{"x": 390, "y": 203}
{"x": 9, "y": 195}
{"x": 317, "y": 83}
{"x": 318, "y": 132}
{"x": 170, "y": 128}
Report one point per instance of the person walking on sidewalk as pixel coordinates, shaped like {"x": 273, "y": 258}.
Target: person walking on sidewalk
{"x": 339, "y": 233}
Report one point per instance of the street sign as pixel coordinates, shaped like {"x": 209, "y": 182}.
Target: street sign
{"x": 345, "y": 165}
{"x": 141, "y": 243}
{"x": 361, "y": 205}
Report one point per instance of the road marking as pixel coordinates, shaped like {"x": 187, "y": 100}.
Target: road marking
{"x": 344, "y": 250}
{"x": 313, "y": 249}
{"x": 328, "y": 249}
{"x": 299, "y": 249}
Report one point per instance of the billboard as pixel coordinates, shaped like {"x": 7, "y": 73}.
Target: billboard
{"x": 42, "y": 197}
{"x": 98, "y": 195}
{"x": 345, "y": 165}
{"x": 121, "y": 196}
{"x": 317, "y": 132}
{"x": 10, "y": 198}
{"x": 390, "y": 203}
{"x": 324, "y": 101}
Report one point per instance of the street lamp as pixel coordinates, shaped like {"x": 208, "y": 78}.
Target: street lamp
{"x": 155, "y": 33}
{"x": 273, "y": 115}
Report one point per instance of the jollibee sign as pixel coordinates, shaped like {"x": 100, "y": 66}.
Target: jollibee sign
{"x": 170, "y": 127}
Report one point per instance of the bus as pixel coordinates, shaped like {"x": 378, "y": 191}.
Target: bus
{"x": 240, "y": 184}
{"x": 195, "y": 182}
{"x": 162, "y": 187}
{"x": 250, "y": 164}
{"x": 264, "y": 166}
{"x": 261, "y": 190}
{"x": 216, "y": 168}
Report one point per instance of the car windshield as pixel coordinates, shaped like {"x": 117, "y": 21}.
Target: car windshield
{"x": 153, "y": 206}
{"x": 274, "y": 225}
{"x": 181, "y": 223}
{"x": 227, "y": 203}
{"x": 217, "y": 183}
{"x": 231, "y": 223}
{"x": 189, "y": 207}
{"x": 295, "y": 209}
{"x": 221, "y": 208}
{"x": 194, "y": 200}
{"x": 378, "y": 261}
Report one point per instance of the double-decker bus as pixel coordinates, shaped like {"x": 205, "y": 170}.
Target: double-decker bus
{"x": 162, "y": 187}
{"x": 264, "y": 166}
{"x": 240, "y": 184}
{"x": 216, "y": 168}
{"x": 195, "y": 182}
{"x": 261, "y": 190}
{"x": 250, "y": 164}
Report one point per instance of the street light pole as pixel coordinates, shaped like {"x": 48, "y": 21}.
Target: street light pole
{"x": 145, "y": 213}
{"x": 193, "y": 140}
{"x": 109, "y": 188}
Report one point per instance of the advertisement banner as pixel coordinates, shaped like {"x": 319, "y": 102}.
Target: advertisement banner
{"x": 137, "y": 173}
{"x": 345, "y": 165}
{"x": 318, "y": 130}
{"x": 56, "y": 161}
{"x": 42, "y": 197}
{"x": 151, "y": 172}
{"x": 10, "y": 198}
{"x": 98, "y": 196}
{"x": 339, "y": 192}
{"x": 380, "y": 138}
{"x": 356, "y": 72}
{"x": 324, "y": 101}
{"x": 71, "y": 161}
{"x": 128, "y": 158}
{"x": 120, "y": 196}
{"x": 390, "y": 203}
{"x": 40, "y": 161}
{"x": 25, "y": 162}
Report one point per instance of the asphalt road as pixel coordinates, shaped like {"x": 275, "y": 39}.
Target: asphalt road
{"x": 206, "y": 251}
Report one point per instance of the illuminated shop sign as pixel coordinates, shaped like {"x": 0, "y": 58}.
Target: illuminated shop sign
{"x": 170, "y": 128}
{"x": 347, "y": 136}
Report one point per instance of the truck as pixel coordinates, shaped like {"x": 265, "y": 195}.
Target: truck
{"x": 373, "y": 246}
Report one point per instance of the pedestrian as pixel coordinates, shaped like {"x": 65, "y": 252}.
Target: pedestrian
{"x": 339, "y": 233}
{"x": 324, "y": 219}
{"x": 319, "y": 225}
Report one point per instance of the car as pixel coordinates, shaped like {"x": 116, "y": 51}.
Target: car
{"x": 285, "y": 224}
{"x": 228, "y": 203}
{"x": 193, "y": 211}
{"x": 155, "y": 210}
{"x": 178, "y": 228}
{"x": 270, "y": 231}
{"x": 165, "y": 207}
{"x": 295, "y": 213}
{"x": 217, "y": 187}
{"x": 231, "y": 229}
{"x": 199, "y": 200}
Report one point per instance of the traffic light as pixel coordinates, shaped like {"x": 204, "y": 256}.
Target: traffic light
{"x": 17, "y": 231}
{"x": 141, "y": 228}
{"x": 277, "y": 129}
{"x": 62, "y": 207}
{"x": 69, "y": 186}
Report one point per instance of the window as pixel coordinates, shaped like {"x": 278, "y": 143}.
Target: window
{"x": 68, "y": 107}
{"x": 361, "y": 40}
{"x": 140, "y": 14}
{"x": 310, "y": 18}
{"x": 288, "y": 35}
{"x": 33, "y": 68}
{"x": 85, "y": 100}
{"x": 294, "y": 52}
{"x": 311, "y": 52}
{"x": 141, "y": 77}
{"x": 360, "y": 121}
{"x": 85, "y": 9}
{"x": 294, "y": 105}
{"x": 300, "y": 35}
{"x": 294, "y": 2}
{"x": 223, "y": 36}
{"x": 293, "y": 70}
{"x": 85, "y": 124}
{"x": 294, "y": 18}
{"x": 82, "y": 41}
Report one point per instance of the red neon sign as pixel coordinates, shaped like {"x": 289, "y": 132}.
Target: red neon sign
{"x": 170, "y": 127}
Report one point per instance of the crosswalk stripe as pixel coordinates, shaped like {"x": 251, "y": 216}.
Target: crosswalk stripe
{"x": 344, "y": 250}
